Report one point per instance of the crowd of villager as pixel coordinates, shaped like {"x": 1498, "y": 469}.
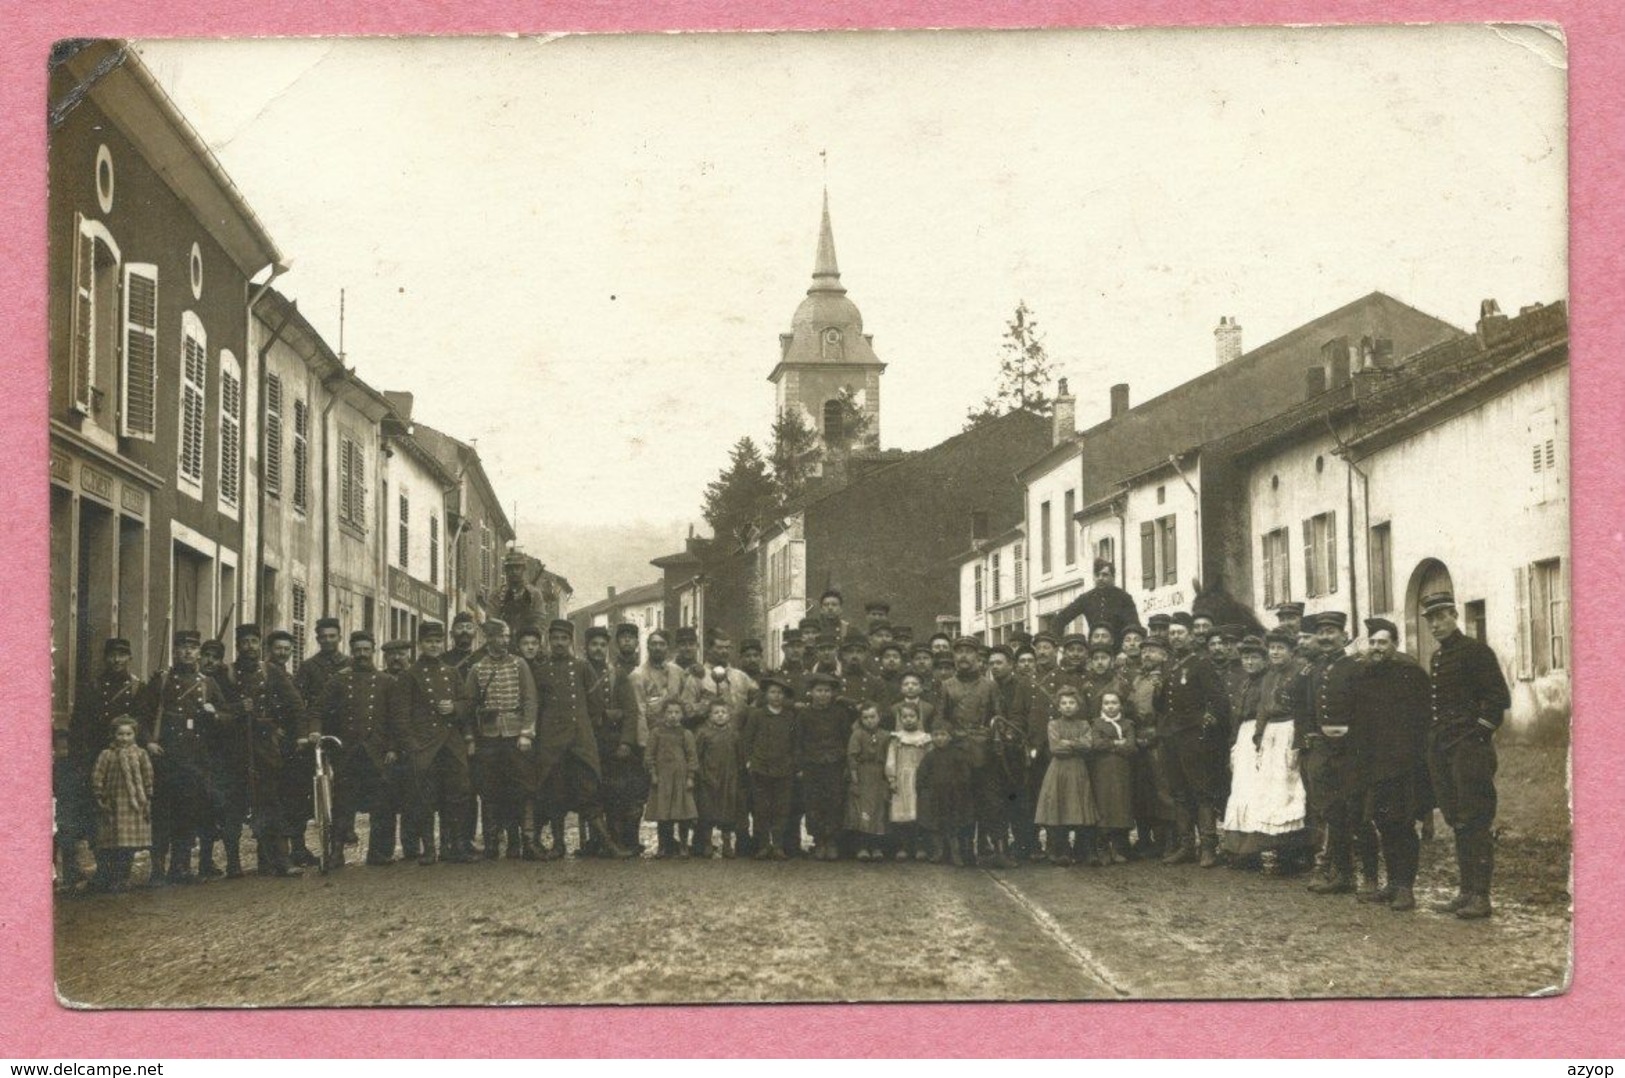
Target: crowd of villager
{"x": 1288, "y": 752}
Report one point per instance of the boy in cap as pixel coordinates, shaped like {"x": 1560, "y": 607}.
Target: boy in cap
{"x": 767, "y": 743}
{"x": 824, "y": 726}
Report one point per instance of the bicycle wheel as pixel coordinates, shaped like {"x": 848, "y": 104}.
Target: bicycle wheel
{"x": 324, "y": 821}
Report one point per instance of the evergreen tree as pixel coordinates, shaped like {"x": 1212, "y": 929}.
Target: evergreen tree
{"x": 1026, "y": 376}
{"x": 856, "y": 425}
{"x": 795, "y": 446}
{"x": 738, "y": 499}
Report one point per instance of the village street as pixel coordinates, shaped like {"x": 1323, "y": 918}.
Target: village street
{"x": 712, "y": 931}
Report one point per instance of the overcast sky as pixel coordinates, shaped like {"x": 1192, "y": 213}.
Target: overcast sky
{"x": 581, "y": 251}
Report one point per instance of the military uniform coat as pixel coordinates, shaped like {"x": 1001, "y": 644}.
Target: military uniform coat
{"x": 314, "y": 674}
{"x": 355, "y": 709}
{"x": 101, "y": 700}
{"x": 564, "y": 721}
{"x": 417, "y": 727}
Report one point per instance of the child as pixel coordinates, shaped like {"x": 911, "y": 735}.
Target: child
{"x": 75, "y": 807}
{"x": 944, "y": 809}
{"x": 672, "y": 761}
{"x": 866, "y": 783}
{"x": 823, "y": 729}
{"x": 767, "y": 744}
{"x": 912, "y": 687}
{"x": 720, "y": 795}
{"x": 1111, "y": 773}
{"x": 904, "y": 759}
{"x": 1066, "y": 802}
{"x": 122, "y": 783}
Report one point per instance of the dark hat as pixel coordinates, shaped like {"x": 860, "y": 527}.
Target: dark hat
{"x": 1281, "y": 636}
{"x": 530, "y": 629}
{"x": 810, "y": 624}
{"x": 1137, "y": 629}
{"x": 881, "y": 626}
{"x": 773, "y": 679}
{"x": 117, "y": 643}
{"x": 968, "y": 642}
{"x": 1020, "y": 638}
{"x": 247, "y": 628}
{"x": 1002, "y": 649}
{"x": 659, "y": 634}
{"x": 493, "y": 626}
{"x": 431, "y": 630}
{"x": 877, "y": 606}
{"x": 626, "y": 628}
{"x": 1074, "y": 638}
{"x": 942, "y": 662}
{"x": 513, "y": 557}
{"x": 904, "y": 633}
{"x": 1252, "y": 645}
{"x": 819, "y": 677}
{"x": 1104, "y": 563}
{"x": 940, "y": 635}
{"x": 1039, "y": 638}
{"x": 855, "y": 640}
{"x": 826, "y": 640}
{"x": 1158, "y": 622}
{"x": 361, "y": 636}
{"x": 561, "y": 625}
{"x": 1025, "y": 649}
{"x": 1155, "y": 640}
{"x": 327, "y": 623}
{"x": 1181, "y": 617}
{"x": 398, "y": 645}
{"x": 1439, "y": 600}
{"x": 462, "y": 617}
{"x": 687, "y": 635}
{"x": 1232, "y": 634}
{"x": 1334, "y": 618}
{"x": 831, "y": 593}
{"x": 892, "y": 645}
{"x": 596, "y": 632}
{"x": 750, "y": 645}
{"x": 792, "y": 635}
{"x": 213, "y": 647}
{"x": 278, "y": 635}
{"x": 1289, "y": 610}
{"x": 1099, "y": 648}
{"x": 919, "y": 648}
{"x": 1379, "y": 625}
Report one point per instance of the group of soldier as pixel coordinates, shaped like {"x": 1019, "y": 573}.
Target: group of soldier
{"x": 507, "y": 738}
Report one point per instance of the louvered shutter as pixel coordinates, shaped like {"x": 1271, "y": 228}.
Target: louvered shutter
{"x": 138, "y": 411}
{"x": 231, "y": 434}
{"x": 194, "y": 373}
{"x": 82, "y": 361}
{"x": 1311, "y": 579}
{"x": 1148, "y": 556}
{"x": 273, "y": 434}
{"x": 1268, "y": 559}
{"x": 358, "y": 485}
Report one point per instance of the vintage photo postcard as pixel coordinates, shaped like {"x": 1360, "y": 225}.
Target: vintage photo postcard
{"x": 874, "y": 516}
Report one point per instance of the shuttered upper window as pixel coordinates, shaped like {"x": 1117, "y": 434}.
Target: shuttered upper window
{"x": 138, "y": 409}
{"x": 301, "y": 455}
{"x": 94, "y": 341}
{"x": 1277, "y": 569}
{"x": 1320, "y": 554}
{"x": 352, "y": 482}
{"x": 231, "y": 430}
{"x": 273, "y": 435}
{"x": 194, "y": 381}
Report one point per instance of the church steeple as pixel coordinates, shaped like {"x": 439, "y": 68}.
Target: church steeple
{"x": 826, "y": 274}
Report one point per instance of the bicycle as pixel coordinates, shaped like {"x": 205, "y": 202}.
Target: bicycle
{"x": 330, "y": 848}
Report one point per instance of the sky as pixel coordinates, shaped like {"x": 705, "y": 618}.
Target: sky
{"x": 579, "y": 252}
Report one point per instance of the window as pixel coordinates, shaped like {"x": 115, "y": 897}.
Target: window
{"x": 352, "y": 481}
{"x": 1277, "y": 569}
{"x": 1070, "y": 546}
{"x": 977, "y": 573}
{"x": 194, "y": 378}
{"x": 231, "y": 430}
{"x": 1474, "y": 619}
{"x": 301, "y": 604}
{"x": 273, "y": 435}
{"x": 434, "y": 549}
{"x": 1542, "y": 619}
{"x": 1019, "y": 566}
{"x": 996, "y": 588}
{"x": 138, "y": 412}
{"x": 1382, "y": 569}
{"x": 1545, "y": 477}
{"x": 1106, "y": 550}
{"x": 485, "y": 557}
{"x": 832, "y": 423}
{"x": 1159, "y": 553}
{"x": 1320, "y": 555}
{"x": 95, "y": 305}
{"x": 301, "y": 455}
{"x": 1044, "y": 559}
{"x": 404, "y": 535}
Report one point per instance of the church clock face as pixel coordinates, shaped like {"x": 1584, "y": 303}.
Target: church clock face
{"x": 832, "y": 343}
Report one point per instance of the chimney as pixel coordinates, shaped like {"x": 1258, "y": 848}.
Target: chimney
{"x": 1492, "y": 324}
{"x": 1334, "y": 357}
{"x": 1314, "y": 382}
{"x": 1066, "y": 415}
{"x": 1226, "y": 341}
{"x": 612, "y": 591}
{"x": 1382, "y": 352}
{"x": 978, "y": 525}
{"x": 1119, "y": 399}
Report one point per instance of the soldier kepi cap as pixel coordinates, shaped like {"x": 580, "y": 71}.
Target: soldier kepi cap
{"x": 820, "y": 678}
{"x": 192, "y": 637}
{"x": 1181, "y": 617}
{"x": 217, "y": 648}
{"x": 1281, "y": 636}
{"x": 431, "y": 630}
{"x": 687, "y": 635}
{"x": 247, "y": 628}
{"x": 115, "y": 645}
{"x": 748, "y": 646}
{"x": 1289, "y": 610}
{"x": 877, "y": 606}
{"x": 277, "y": 635}
{"x": 1100, "y": 647}
{"x": 1155, "y": 640}
{"x": 1252, "y": 645}
{"x": 830, "y": 593}
{"x": 968, "y": 642}
{"x": 560, "y": 625}
{"x": 855, "y": 641}
{"x": 398, "y": 645}
{"x": 626, "y": 628}
{"x": 463, "y": 618}
{"x": 1335, "y": 619}
{"x": 361, "y": 636}
{"x": 327, "y": 623}
{"x": 1439, "y": 600}
{"x": 596, "y": 632}
{"x": 1039, "y": 638}
{"x": 1102, "y": 564}
{"x": 1003, "y": 649}
{"x": 1381, "y": 625}
{"x": 1232, "y": 634}
{"x": 1074, "y": 638}
{"x": 1158, "y": 622}
{"x": 494, "y": 627}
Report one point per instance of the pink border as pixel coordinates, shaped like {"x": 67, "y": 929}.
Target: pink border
{"x": 1579, "y": 1025}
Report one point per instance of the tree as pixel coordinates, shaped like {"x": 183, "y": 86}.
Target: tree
{"x": 795, "y": 447}
{"x": 856, "y": 423}
{"x": 1026, "y": 375}
{"x": 738, "y": 499}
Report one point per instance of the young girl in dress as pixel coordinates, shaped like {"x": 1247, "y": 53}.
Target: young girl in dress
{"x": 720, "y": 797}
{"x": 1066, "y": 804}
{"x": 672, "y": 760}
{"x": 867, "y": 792}
{"x": 904, "y": 755}
{"x": 122, "y": 781}
{"x": 1111, "y": 773}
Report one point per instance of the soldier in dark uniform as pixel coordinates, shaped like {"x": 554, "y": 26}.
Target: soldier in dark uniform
{"x": 858, "y": 686}
{"x": 462, "y": 652}
{"x": 750, "y": 658}
{"x": 298, "y": 764}
{"x": 228, "y": 760}
{"x": 268, "y": 713}
{"x": 354, "y": 707}
{"x": 101, "y": 700}
{"x": 398, "y": 658}
{"x": 1104, "y": 605}
{"x": 889, "y": 681}
{"x": 1194, "y": 712}
{"x": 612, "y": 704}
{"x": 1470, "y": 699}
{"x": 177, "y": 709}
{"x": 521, "y": 605}
{"x": 627, "y": 658}
{"x": 567, "y": 764}
{"x": 460, "y": 656}
{"x": 425, "y": 726}
{"x": 1015, "y": 733}
{"x": 317, "y": 669}
{"x": 1391, "y": 702}
{"x": 969, "y": 706}
{"x": 1329, "y": 763}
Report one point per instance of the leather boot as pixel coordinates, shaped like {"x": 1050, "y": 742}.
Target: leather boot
{"x": 1210, "y": 852}
{"x": 234, "y": 858}
{"x": 728, "y": 844}
{"x": 1368, "y": 890}
{"x": 1480, "y": 851}
{"x": 1336, "y": 883}
{"x": 555, "y": 851}
{"x": 1207, "y": 826}
{"x": 1179, "y": 843}
{"x": 180, "y": 864}
{"x": 516, "y": 843}
{"x": 280, "y": 865}
{"x": 598, "y": 831}
{"x": 1403, "y": 901}
{"x": 206, "y": 869}
{"x": 1464, "y": 887}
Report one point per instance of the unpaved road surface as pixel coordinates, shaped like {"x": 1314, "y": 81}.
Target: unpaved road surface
{"x": 588, "y": 931}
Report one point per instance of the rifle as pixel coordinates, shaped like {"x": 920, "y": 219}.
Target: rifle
{"x": 220, "y": 633}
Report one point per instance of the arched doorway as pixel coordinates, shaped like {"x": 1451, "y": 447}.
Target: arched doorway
{"x": 1430, "y": 575}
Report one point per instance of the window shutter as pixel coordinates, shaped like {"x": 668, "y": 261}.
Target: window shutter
{"x": 81, "y": 362}
{"x": 194, "y": 372}
{"x": 1268, "y": 560}
{"x": 1148, "y": 556}
{"x": 301, "y": 454}
{"x": 1331, "y": 553}
{"x": 1311, "y": 582}
{"x": 977, "y": 573}
{"x": 231, "y": 433}
{"x": 273, "y": 434}
{"x": 358, "y": 485}
{"x": 138, "y": 412}
{"x": 1170, "y": 552}
{"x": 1020, "y": 570}
{"x": 1521, "y": 589}
{"x": 346, "y": 479}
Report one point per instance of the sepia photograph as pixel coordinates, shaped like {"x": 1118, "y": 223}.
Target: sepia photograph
{"x": 829, "y": 516}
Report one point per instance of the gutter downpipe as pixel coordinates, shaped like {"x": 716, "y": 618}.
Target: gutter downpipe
{"x": 260, "y": 375}
{"x": 1353, "y": 469}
